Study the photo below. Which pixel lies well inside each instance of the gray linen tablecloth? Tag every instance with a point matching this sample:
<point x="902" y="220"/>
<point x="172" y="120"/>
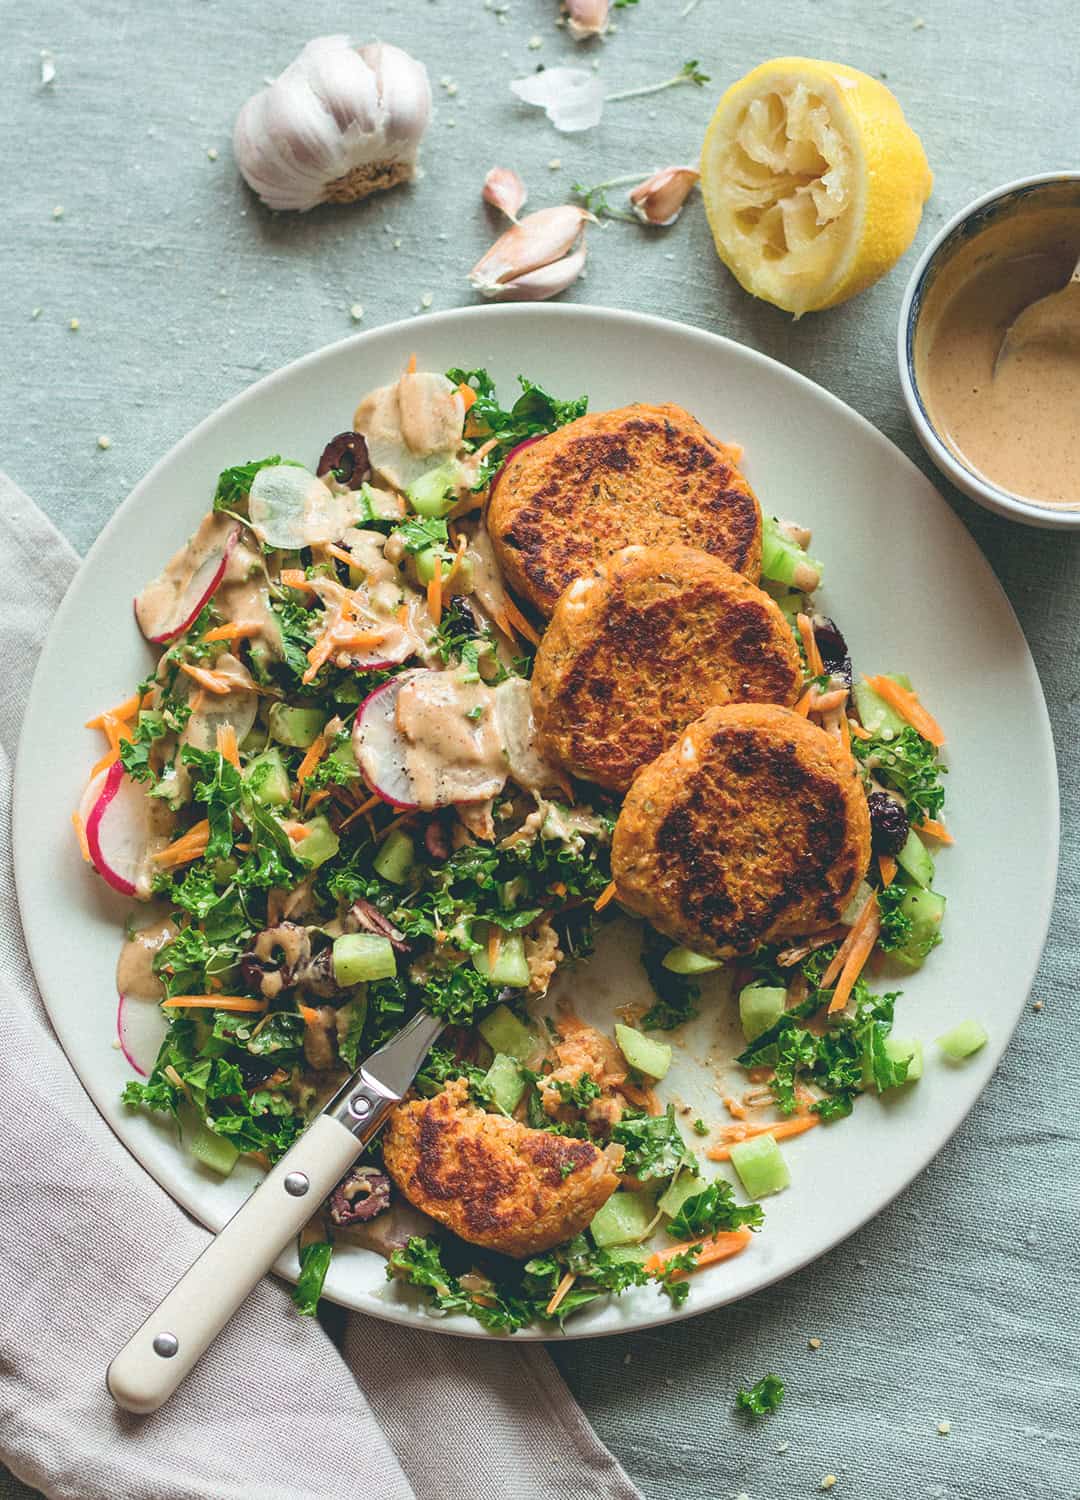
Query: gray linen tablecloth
<point x="959" y="1303"/>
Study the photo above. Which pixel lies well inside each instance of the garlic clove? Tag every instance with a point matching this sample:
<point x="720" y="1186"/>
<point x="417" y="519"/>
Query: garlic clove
<point x="572" y="98"/>
<point x="659" y="199"/>
<point x="545" y="281"/>
<point x="504" y="190"/>
<point x="587" y="18"/>
<point x="339" y="123"/>
<point x="540" y="239"/>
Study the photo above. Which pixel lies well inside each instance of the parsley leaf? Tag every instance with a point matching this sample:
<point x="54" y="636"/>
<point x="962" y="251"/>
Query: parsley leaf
<point x="534" y="413"/>
<point x="135" y="752"/>
<point x="234" y="485"/>
<point x="762" y="1398"/>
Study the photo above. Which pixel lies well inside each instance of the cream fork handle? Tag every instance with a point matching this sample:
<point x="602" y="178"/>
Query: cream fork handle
<point x="174" y="1337"/>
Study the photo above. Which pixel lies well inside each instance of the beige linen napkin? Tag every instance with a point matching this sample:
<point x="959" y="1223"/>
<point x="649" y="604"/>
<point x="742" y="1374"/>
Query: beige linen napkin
<point x="90" y="1244"/>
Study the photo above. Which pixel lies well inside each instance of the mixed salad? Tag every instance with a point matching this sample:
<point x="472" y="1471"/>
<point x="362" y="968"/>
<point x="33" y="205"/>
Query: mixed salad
<point x="327" y="790"/>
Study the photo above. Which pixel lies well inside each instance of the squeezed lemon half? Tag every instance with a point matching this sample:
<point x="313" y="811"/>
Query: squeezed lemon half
<point x="813" y="181"/>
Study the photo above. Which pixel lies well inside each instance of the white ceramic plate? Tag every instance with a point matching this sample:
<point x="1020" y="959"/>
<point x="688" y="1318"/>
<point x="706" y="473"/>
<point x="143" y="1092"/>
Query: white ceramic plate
<point x="904" y="580"/>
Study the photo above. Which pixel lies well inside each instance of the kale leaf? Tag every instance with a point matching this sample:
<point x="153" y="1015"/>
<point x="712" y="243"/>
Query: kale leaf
<point x="762" y="1398"/>
<point x="711" y="1210"/>
<point x="314" y="1263"/>
<point x="676" y="995"/>
<point x="534" y="413"/>
<point x="653" y="1145"/>
<point x="909" y="765"/>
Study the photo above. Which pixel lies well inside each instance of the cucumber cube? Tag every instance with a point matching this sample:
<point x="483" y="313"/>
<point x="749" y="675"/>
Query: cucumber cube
<point x="761" y="1166"/>
<point x="624" y="1219"/>
<point x="321" y="844"/>
<point x="963" y="1040"/>
<point x="875" y="713"/>
<point x="915" y="858"/>
<point x="504" y="1033"/>
<point x="510" y="968"/>
<point x="214" y="1151"/>
<point x="686" y="1185"/>
<point x="686" y="961"/>
<point x="926" y="910"/>
<point x="628" y="1252"/>
<point x="760" y="1006"/>
<point x="268" y="779"/>
<point x="360" y="957"/>
<point x="395" y="859"/>
<point x="298" y="727"/>
<point x="909" y="1050"/>
<point x="641" y="1052"/>
<point x="504" y="1080"/>
<point x="435" y="493"/>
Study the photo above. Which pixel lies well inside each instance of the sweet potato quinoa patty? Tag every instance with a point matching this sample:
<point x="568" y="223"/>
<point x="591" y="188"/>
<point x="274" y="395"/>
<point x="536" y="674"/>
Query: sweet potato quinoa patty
<point x="752" y="828"/>
<point x="641" y="474"/>
<point x="491" y="1180"/>
<point x="645" y="645"/>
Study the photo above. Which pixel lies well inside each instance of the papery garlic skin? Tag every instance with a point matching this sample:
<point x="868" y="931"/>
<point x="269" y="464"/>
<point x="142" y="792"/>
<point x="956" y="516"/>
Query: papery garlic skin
<point x="339" y="123"/>
<point x="659" y="199"/>
<point x="587" y="18"/>
<point x="538" y="258"/>
<point x="572" y="98"/>
<point x="504" y="190"/>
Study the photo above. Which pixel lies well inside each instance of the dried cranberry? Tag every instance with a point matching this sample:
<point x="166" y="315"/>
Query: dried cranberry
<point x="888" y="823"/>
<point x="361" y="1195"/>
<point x="346" y="457"/>
<point x="834" y="652"/>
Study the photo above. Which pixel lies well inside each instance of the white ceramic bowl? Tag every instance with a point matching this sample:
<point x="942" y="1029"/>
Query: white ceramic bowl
<point x="1013" y="197"/>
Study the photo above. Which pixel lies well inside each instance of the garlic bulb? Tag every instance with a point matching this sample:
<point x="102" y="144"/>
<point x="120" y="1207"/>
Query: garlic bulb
<point x="659" y="199"/>
<point x="340" y="122"/>
<point x="538" y="258"/>
<point x="504" y="190"/>
<point x="586" y="18"/>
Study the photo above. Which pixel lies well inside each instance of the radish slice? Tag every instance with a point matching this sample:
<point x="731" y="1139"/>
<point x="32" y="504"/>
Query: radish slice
<point x="140" y="1029"/>
<point x="517" y="448"/>
<point x="290" y="507"/>
<point x="379" y="748"/>
<point x="118" y="829"/>
<point x="423" y="749"/>
<point x="171" y="604"/>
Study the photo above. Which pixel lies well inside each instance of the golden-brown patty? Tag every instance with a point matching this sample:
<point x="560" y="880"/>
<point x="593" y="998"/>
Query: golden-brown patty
<point x="646" y="644"/>
<point x="492" y="1180"/>
<point x="752" y="828"/>
<point x="641" y="474"/>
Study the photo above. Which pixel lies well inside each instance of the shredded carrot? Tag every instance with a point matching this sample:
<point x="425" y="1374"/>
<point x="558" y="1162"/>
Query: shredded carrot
<point x="308" y="1012"/>
<point x="126" y="710"/>
<point x="887" y="866"/>
<point x="103" y="764"/>
<point x="410" y="368"/>
<point x="571" y="1276"/>
<point x="318" y="654"/>
<point x="714" y="1247"/>
<point x="405" y="817"/>
<point x="365" y="807"/>
<point x="907" y="705"/>
<point x="116" y="732"/>
<point x="80" y="834"/>
<point x="216" y="1002"/>
<point x="606" y="895"/>
<point x="558" y="889"/>
<point x="228" y="749"/>
<point x="858" y="731"/>
<point x="313" y="755"/>
<point x="460" y="544"/>
<point x="298" y="832"/>
<point x="238" y="630"/>
<point x="187" y="847"/>
<point x="845" y="732"/>
<point x="295" y="578"/>
<point x="519" y="622"/>
<point x="779" y="1129"/>
<point x="467" y="394"/>
<point x="213" y="682"/>
<point x="860" y="951"/>
<point x="317" y="797"/>
<point x="813" y="655"/>
<point x="736" y="1110"/>
<point x="805" y="703"/>
<point x="434" y="592"/>
<point x="341" y="555"/>
<point x="840" y="956"/>
<point x="494" y="943"/>
<point x="935" y="829"/>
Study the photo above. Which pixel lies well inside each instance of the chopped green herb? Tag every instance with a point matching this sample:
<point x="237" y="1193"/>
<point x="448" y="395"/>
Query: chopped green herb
<point x="762" y="1398"/>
